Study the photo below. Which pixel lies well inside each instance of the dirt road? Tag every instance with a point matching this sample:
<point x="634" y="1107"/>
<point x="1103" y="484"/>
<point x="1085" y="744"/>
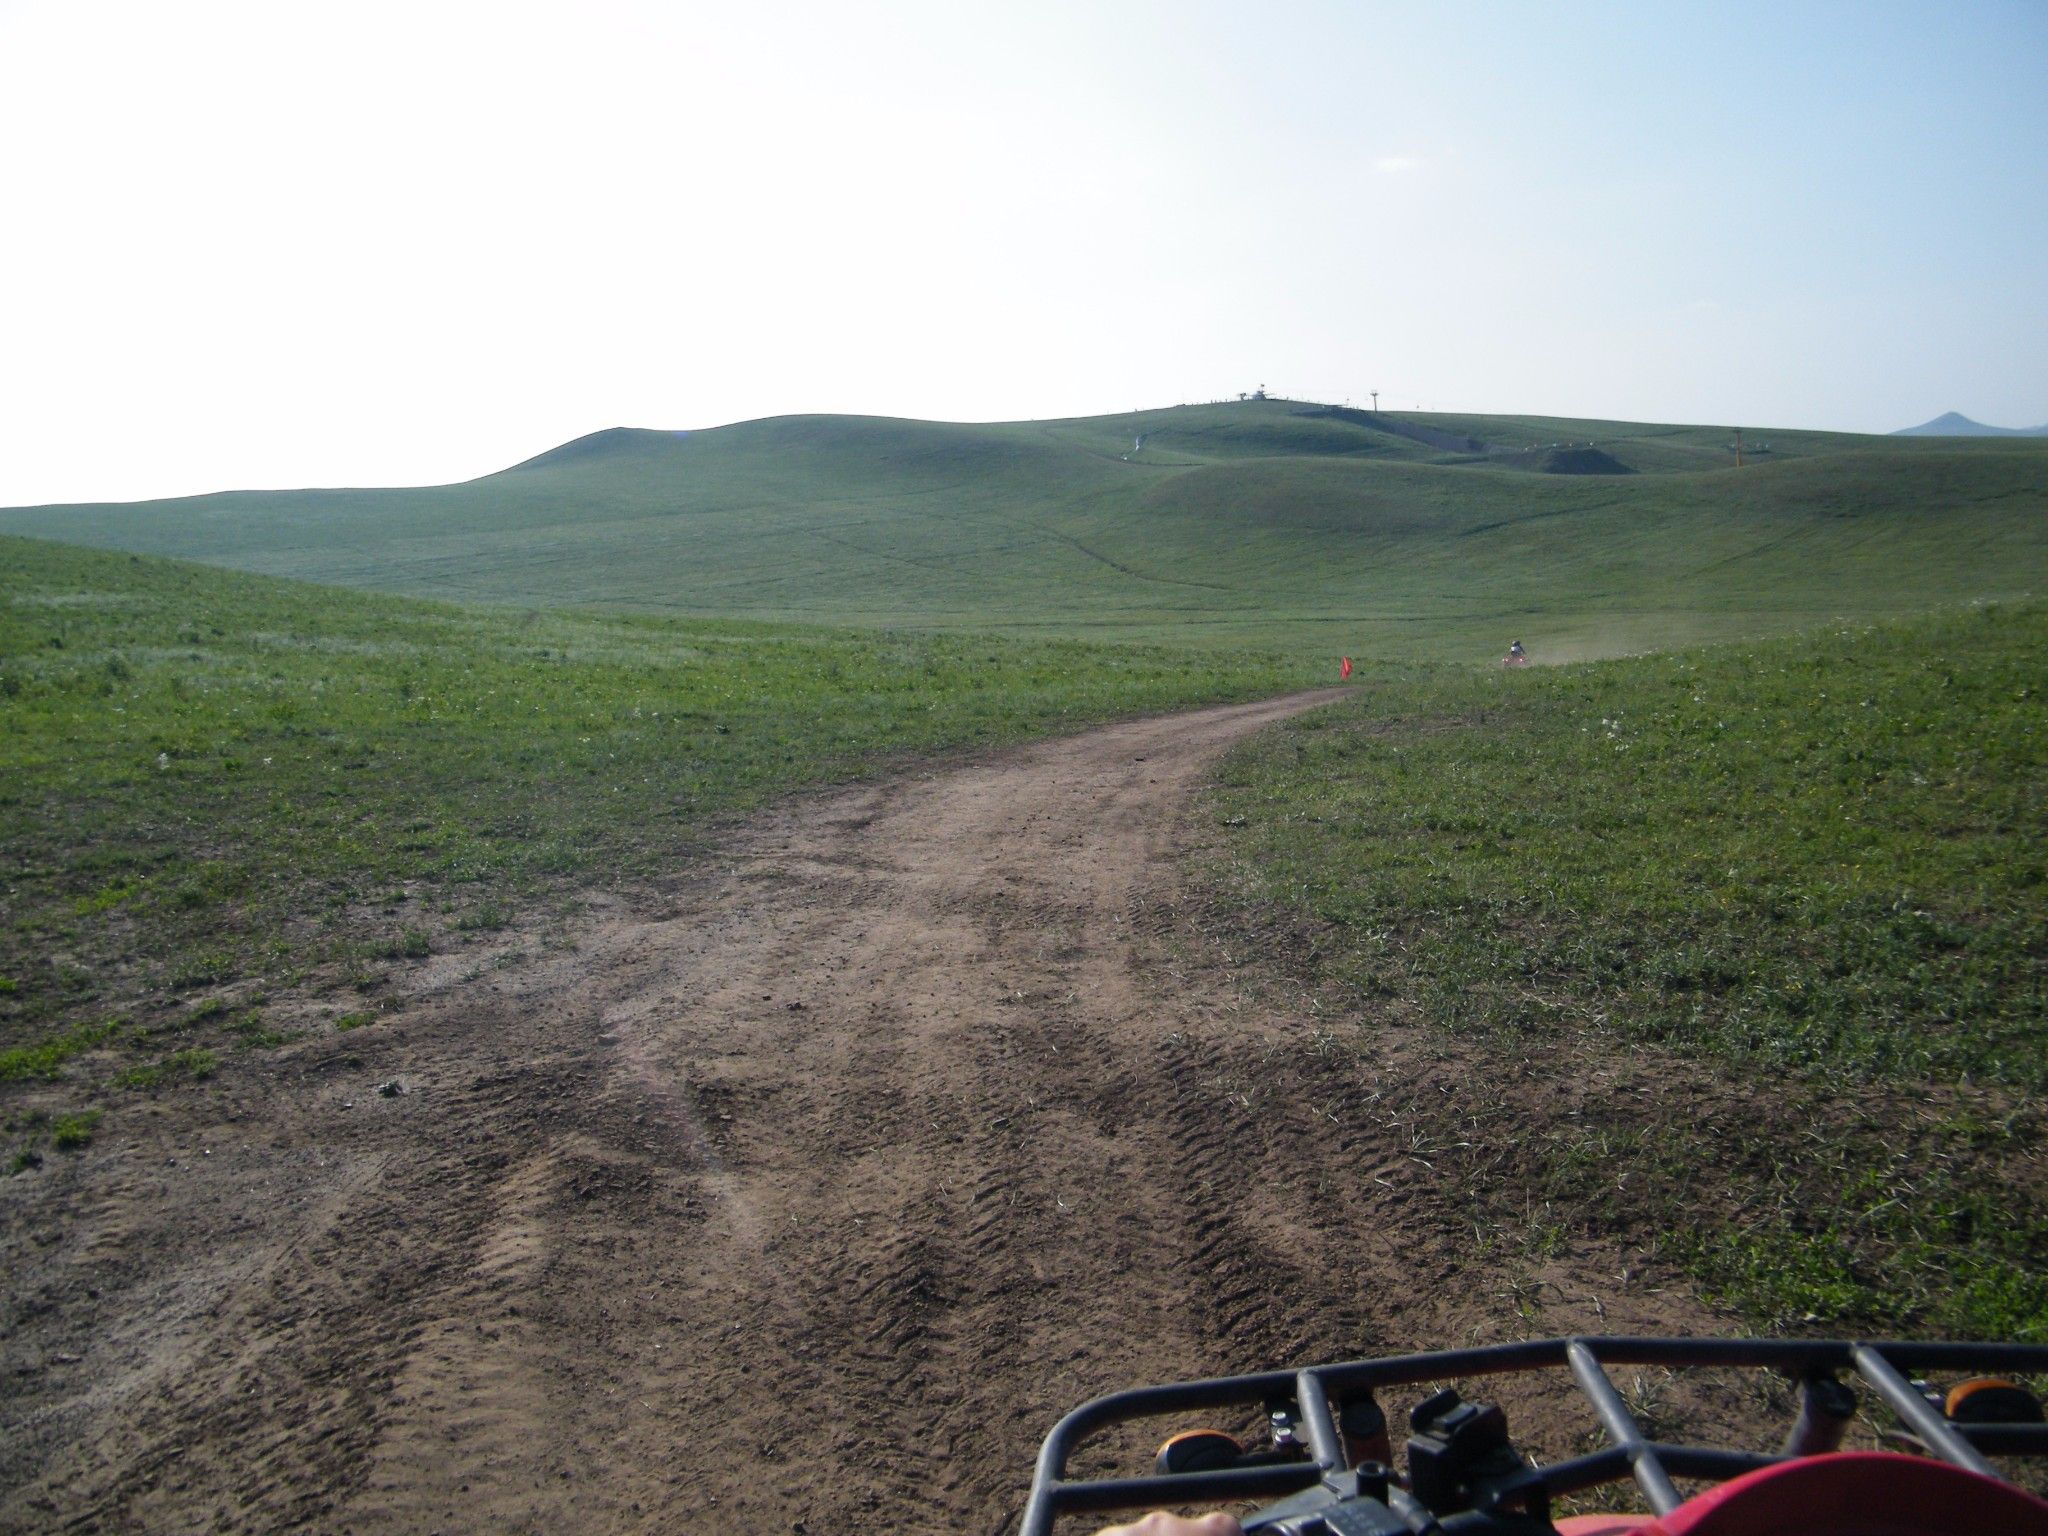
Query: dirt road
<point x="802" y="1203"/>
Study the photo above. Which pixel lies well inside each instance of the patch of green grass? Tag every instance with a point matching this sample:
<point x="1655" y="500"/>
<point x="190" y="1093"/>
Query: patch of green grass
<point x="1815" y="869"/>
<point x="355" y="1019"/>
<point x="106" y="898"/>
<point x="252" y="1033"/>
<point x="405" y="944"/>
<point x="1793" y="1276"/>
<point x="195" y="1063"/>
<point x="202" y="968"/>
<point x="73" y="1131"/>
<point x="1828" y="853"/>
<point x="45" y="1058"/>
<point x="1802" y="1204"/>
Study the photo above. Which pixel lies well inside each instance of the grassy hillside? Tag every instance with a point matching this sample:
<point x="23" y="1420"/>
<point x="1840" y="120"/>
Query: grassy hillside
<point x="1808" y="875"/>
<point x="208" y="778"/>
<point x="1647" y="447"/>
<point x="1263" y="522"/>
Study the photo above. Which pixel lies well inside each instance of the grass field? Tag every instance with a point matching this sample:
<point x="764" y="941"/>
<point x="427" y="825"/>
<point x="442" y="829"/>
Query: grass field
<point x="210" y="777"/>
<point x="1805" y="865"/>
<point x="1811" y="872"/>
<point x="1266" y="523"/>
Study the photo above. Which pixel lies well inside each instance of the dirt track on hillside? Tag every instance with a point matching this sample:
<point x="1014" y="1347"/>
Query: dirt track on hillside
<point x="801" y="1196"/>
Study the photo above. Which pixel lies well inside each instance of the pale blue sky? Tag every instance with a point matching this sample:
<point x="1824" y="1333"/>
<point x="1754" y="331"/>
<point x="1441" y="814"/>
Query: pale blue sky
<point x="279" y="244"/>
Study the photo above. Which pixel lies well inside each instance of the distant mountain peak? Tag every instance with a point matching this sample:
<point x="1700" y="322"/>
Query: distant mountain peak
<point x="1956" y="424"/>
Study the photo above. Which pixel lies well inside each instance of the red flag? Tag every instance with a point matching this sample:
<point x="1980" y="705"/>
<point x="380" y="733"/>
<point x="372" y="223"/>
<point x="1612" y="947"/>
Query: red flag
<point x="1345" y="670"/>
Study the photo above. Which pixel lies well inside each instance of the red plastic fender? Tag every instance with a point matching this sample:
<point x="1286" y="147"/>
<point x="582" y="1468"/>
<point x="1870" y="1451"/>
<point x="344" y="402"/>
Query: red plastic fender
<point x="1851" y="1493"/>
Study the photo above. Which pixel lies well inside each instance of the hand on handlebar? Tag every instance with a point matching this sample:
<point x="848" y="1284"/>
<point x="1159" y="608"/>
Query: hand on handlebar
<point x="1155" y="1524"/>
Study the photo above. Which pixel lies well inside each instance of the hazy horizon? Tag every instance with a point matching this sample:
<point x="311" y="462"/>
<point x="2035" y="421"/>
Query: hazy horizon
<point x="388" y="244"/>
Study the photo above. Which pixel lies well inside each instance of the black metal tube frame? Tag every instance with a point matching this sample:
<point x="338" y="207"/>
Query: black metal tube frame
<point x="1883" y="1365"/>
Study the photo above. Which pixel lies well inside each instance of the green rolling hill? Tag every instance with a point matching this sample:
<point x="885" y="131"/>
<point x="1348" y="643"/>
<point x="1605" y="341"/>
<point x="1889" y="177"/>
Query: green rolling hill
<point x="1262" y="522"/>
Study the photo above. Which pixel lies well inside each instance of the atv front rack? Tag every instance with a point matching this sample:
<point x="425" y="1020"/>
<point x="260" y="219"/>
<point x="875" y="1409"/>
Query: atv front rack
<point x="1318" y="1393"/>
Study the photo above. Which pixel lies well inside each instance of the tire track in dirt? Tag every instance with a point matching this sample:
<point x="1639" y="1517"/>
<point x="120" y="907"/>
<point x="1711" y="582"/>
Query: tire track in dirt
<point x="801" y="1199"/>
